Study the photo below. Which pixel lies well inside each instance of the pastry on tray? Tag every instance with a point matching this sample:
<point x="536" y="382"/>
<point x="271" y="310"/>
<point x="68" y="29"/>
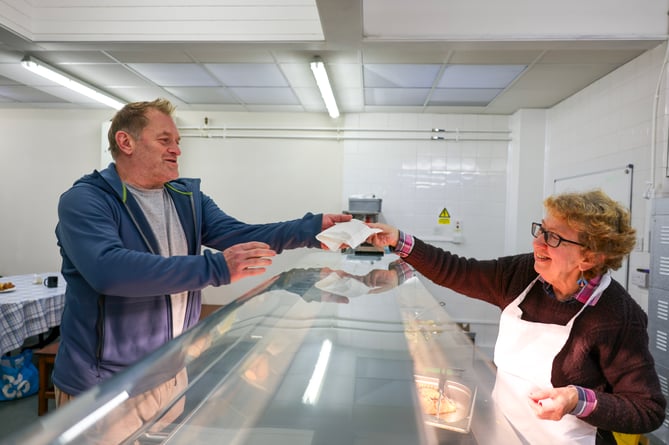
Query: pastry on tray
<point x="434" y="402"/>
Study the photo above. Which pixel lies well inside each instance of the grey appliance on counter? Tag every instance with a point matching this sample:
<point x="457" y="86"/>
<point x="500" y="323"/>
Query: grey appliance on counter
<point x="366" y="209"/>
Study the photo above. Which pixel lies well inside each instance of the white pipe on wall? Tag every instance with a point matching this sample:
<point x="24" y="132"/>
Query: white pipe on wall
<point x="324" y="133"/>
<point x="653" y="125"/>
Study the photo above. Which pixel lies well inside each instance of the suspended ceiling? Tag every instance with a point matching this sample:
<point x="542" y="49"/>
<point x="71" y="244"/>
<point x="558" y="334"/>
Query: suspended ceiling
<point x="381" y="55"/>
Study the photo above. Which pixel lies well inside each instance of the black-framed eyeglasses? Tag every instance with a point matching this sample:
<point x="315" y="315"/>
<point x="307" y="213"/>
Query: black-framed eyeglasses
<point x="552" y="239"/>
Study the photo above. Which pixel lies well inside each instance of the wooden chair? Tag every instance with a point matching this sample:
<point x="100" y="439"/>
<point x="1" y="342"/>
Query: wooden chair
<point x="45" y="358"/>
<point x="208" y="309"/>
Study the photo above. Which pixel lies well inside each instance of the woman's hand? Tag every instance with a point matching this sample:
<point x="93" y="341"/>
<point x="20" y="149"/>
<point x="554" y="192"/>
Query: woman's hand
<point x="380" y="280"/>
<point x="388" y="237"/>
<point x="553" y="403"/>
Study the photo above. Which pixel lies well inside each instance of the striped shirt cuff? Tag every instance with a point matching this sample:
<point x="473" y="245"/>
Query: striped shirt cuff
<point x="404" y="271"/>
<point x="404" y="244"/>
<point x="587" y="401"/>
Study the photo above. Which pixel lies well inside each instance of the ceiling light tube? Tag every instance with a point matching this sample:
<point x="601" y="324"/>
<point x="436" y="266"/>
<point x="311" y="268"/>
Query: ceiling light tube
<point x="313" y="391"/>
<point x="318" y="68"/>
<point x="54" y="75"/>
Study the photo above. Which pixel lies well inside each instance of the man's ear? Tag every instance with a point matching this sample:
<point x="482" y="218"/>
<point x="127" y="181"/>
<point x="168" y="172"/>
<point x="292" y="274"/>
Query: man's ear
<point x="125" y="142"/>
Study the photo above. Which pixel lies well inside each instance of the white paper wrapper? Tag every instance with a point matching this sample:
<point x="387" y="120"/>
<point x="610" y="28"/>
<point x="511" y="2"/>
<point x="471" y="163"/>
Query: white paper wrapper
<point x="352" y="233"/>
<point x="345" y="286"/>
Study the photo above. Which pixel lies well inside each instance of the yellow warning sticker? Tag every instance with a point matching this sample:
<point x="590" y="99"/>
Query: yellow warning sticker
<point x="444" y="217"/>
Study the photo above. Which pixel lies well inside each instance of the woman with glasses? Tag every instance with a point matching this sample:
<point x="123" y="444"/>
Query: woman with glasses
<point x="572" y="356"/>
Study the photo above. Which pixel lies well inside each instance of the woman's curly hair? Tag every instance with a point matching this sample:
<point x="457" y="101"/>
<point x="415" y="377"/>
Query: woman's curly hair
<point x="603" y="226"/>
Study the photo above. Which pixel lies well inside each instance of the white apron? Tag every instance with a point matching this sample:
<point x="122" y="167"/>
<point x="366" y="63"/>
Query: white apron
<point x="524" y="354"/>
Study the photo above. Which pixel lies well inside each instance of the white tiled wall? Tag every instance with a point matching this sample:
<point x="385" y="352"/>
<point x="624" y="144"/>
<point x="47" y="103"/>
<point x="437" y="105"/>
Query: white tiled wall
<point x="609" y="125"/>
<point x="417" y="179"/>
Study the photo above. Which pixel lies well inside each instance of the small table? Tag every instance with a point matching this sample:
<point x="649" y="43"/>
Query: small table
<point x="29" y="310"/>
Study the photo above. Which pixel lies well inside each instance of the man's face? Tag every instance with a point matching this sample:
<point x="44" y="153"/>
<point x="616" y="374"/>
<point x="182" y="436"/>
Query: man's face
<point x="156" y="151"/>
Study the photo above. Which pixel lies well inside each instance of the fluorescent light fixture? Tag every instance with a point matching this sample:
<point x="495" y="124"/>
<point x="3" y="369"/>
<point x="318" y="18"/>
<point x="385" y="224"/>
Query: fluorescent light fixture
<point x="54" y="75"/>
<point x="318" y="68"/>
<point x="313" y="391"/>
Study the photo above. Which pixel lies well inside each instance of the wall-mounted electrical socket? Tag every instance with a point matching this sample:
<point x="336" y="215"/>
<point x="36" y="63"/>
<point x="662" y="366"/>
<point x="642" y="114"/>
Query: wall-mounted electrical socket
<point x="640" y="278"/>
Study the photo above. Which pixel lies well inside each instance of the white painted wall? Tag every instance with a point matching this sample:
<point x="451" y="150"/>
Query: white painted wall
<point x="42" y="153"/>
<point x="261" y="180"/>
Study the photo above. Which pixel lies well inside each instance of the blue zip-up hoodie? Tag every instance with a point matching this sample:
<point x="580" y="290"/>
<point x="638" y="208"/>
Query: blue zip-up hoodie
<point x="117" y="304"/>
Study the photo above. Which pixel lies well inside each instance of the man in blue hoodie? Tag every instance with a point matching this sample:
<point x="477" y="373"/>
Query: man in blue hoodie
<point x="130" y="238"/>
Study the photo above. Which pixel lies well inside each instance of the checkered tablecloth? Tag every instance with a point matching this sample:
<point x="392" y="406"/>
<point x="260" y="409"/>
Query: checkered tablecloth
<point x="30" y="309"/>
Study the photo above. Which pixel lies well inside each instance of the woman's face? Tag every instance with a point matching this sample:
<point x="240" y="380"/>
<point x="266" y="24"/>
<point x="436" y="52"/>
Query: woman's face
<point x="560" y="266"/>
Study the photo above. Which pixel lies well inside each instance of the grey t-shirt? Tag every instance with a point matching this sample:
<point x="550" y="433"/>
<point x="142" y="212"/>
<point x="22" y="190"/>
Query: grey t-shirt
<point x="159" y="210"/>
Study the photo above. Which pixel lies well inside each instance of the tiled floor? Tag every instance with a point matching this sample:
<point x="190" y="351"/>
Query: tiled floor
<point x="18" y="414"/>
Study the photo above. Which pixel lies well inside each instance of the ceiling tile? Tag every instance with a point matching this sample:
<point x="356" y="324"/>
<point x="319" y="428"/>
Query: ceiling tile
<point x="7" y="81"/>
<point x="151" y="53"/>
<point x="345" y="75"/>
<point x="56" y="58"/>
<point x="479" y="76"/>
<point x="396" y="96"/>
<point x="274" y="108"/>
<point x="247" y="74"/>
<point x="299" y="75"/>
<point x="399" y="75"/>
<point x="69" y="96"/>
<point x="265" y="96"/>
<point x="176" y="74"/>
<point x="203" y="95"/>
<point x="310" y="98"/>
<point x="136" y="94"/>
<point x="463" y="97"/>
<point x="27" y="94"/>
<point x="350" y="99"/>
<point x="106" y="75"/>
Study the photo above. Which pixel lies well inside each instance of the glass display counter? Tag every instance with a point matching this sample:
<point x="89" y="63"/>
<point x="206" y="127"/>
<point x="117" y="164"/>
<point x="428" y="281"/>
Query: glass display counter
<point x="337" y="350"/>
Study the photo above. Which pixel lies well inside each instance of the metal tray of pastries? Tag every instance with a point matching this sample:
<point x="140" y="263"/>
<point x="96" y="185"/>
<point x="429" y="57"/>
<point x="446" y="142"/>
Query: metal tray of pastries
<point x="446" y="403"/>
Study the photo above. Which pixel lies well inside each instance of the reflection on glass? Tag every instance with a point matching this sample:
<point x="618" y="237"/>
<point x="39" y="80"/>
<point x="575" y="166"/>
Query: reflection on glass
<point x="282" y="359"/>
<point x="315" y="385"/>
<point x="324" y="284"/>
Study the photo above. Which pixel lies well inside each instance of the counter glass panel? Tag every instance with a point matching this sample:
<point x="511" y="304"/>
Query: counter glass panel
<point x="339" y="349"/>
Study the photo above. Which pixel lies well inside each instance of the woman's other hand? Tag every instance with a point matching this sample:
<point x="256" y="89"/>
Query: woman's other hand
<point x="553" y="403"/>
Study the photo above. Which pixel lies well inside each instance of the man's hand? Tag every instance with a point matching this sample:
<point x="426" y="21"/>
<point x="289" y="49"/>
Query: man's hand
<point x="329" y="219"/>
<point x="247" y="259"/>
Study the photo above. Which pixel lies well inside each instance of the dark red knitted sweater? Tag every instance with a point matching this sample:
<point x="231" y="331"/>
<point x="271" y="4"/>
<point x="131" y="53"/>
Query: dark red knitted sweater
<point x="607" y="350"/>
